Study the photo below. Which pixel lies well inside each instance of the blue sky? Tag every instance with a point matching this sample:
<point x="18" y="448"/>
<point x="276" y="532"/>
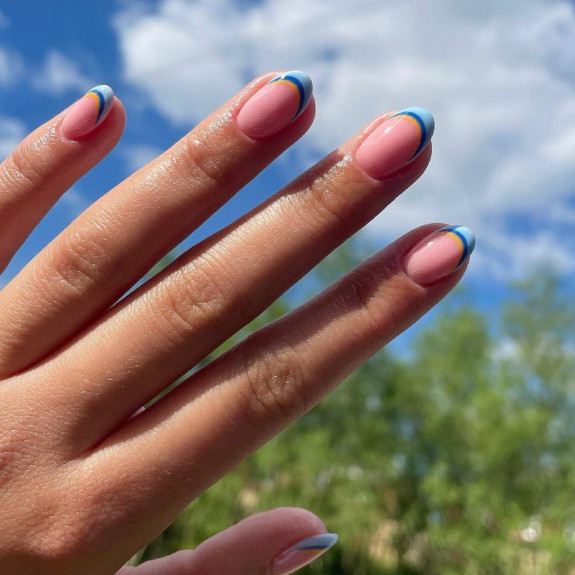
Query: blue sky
<point x="498" y="77"/>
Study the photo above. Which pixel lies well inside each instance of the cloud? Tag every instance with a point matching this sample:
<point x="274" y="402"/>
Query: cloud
<point x="497" y="75"/>
<point x="73" y="202"/>
<point x="12" y="132"/>
<point x="11" y="65"/>
<point x="139" y="155"/>
<point x="59" y="73"/>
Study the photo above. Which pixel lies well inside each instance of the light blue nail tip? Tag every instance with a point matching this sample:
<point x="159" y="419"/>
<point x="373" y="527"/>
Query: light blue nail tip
<point x="317" y="542"/>
<point x="469" y="236"/>
<point x="303" y="84"/>
<point x="425" y="116"/>
<point x="105" y="90"/>
<point x="425" y="121"/>
<point x="465" y="237"/>
<point x="105" y="96"/>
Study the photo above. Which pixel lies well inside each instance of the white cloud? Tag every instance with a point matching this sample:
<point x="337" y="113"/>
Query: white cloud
<point x="73" y="202"/>
<point x="137" y="156"/>
<point x="59" y="73"/>
<point x="11" y="65"/>
<point x="497" y="75"/>
<point x="12" y="132"/>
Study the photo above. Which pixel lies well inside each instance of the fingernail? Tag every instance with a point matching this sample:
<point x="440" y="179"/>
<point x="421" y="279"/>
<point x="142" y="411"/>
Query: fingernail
<point x="275" y="105"/>
<point x="439" y="254"/>
<point x="302" y="553"/>
<point x="87" y="112"/>
<point x="395" y="142"/>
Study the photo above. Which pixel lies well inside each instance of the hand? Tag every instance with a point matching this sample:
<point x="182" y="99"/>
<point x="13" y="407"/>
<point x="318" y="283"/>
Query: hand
<point x="87" y="476"/>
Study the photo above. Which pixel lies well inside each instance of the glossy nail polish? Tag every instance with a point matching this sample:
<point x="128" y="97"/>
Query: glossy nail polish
<point x="395" y="142"/>
<point x="302" y="553"/>
<point x="439" y="254"/>
<point x="87" y="113"/>
<point x="275" y="105"/>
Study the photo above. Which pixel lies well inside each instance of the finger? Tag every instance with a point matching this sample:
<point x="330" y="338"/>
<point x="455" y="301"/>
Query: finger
<point x="275" y="542"/>
<point x="224" y="412"/>
<point x="112" y="245"/>
<point x="52" y="159"/>
<point x="162" y="330"/>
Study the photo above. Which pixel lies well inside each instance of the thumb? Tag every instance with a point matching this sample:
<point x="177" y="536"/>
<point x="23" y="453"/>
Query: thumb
<point x="275" y="542"/>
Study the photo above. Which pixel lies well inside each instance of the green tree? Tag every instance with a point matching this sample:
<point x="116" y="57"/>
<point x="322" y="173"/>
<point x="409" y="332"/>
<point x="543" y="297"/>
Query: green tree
<point x="455" y="459"/>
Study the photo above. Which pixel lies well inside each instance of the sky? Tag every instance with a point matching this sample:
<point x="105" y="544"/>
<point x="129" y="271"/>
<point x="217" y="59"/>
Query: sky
<point x="498" y="77"/>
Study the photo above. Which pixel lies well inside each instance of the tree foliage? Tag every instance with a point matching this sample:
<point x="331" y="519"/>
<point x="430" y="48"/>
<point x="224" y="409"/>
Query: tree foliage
<point x="457" y="459"/>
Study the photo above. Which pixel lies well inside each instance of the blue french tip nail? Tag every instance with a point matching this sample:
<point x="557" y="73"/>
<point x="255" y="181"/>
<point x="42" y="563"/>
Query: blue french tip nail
<point x="302" y="82"/>
<point x="426" y="123"/>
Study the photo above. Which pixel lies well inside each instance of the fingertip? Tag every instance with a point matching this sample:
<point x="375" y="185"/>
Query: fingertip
<point x="437" y="253"/>
<point x="99" y="115"/>
<point x="276" y="106"/>
<point x="257" y="540"/>
<point x="394" y="141"/>
<point x="289" y="520"/>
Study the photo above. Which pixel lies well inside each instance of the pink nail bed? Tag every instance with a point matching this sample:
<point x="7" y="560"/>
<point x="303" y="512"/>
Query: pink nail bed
<point x="87" y="113"/>
<point x="439" y="254"/>
<point x="395" y="142"/>
<point x="275" y="105"/>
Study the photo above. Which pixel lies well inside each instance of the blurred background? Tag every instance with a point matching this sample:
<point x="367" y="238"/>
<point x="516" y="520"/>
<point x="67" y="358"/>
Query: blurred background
<point x="453" y="450"/>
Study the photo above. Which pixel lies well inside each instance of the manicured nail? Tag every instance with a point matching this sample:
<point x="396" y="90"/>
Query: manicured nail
<point x="439" y="254"/>
<point x="87" y="113"/>
<point x="395" y="142"/>
<point x="275" y="105"/>
<point x="302" y="553"/>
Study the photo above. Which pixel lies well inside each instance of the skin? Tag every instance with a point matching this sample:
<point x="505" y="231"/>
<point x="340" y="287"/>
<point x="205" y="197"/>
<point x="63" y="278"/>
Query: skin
<point x="84" y="485"/>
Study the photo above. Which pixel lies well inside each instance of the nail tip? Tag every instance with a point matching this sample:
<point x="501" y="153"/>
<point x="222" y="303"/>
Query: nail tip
<point x="302" y="82"/>
<point x="304" y="78"/>
<point x="466" y="239"/>
<point x="468" y="235"/>
<point x="426" y="123"/>
<point x="105" y="97"/>
<point x="104" y="88"/>
<point x="324" y="541"/>
<point x="425" y="115"/>
<point x="87" y="113"/>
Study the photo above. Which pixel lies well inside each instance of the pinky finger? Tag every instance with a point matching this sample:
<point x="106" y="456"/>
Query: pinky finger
<point x="274" y="542"/>
<point x="51" y="159"/>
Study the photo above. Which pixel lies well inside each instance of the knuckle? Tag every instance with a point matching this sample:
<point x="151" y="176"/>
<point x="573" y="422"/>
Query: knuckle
<point x="65" y="519"/>
<point x="20" y="170"/>
<point x="327" y="201"/>
<point x="191" y="300"/>
<point x="380" y="303"/>
<point x="61" y="537"/>
<point x="22" y="439"/>
<point x="274" y="389"/>
<point x="40" y="518"/>
<point x="203" y="164"/>
<point x="81" y="261"/>
<point x="55" y="542"/>
<point x="15" y="454"/>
